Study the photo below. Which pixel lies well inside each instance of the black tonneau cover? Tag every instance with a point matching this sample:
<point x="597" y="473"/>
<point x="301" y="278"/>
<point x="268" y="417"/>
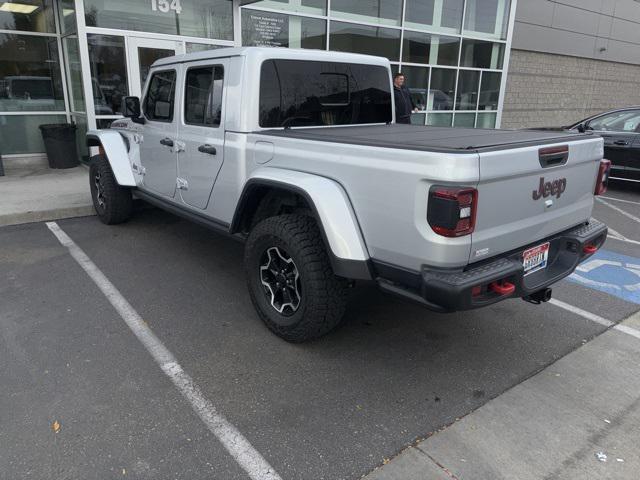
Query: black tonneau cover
<point x="424" y="138"/>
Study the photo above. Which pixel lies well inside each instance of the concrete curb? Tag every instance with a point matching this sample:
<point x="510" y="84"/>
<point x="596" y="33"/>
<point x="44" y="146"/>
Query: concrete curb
<point x="46" y="215"/>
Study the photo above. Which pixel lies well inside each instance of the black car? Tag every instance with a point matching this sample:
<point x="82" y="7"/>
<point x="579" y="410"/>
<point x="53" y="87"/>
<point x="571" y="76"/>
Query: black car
<point x="621" y="132"/>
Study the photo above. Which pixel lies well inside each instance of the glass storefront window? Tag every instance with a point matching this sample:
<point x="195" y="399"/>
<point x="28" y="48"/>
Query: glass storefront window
<point x="282" y="30"/>
<point x="487" y="17"/>
<point x="482" y="54"/>
<point x="317" y="7"/>
<point x="467" y="96"/>
<point x="465" y="120"/>
<point x="30" y="78"/>
<point x="432" y="49"/>
<point x="439" y="119"/>
<point x="434" y="15"/>
<point x="19" y="134"/>
<point x="108" y="72"/>
<point x="194" y="18"/>
<point x="349" y="37"/>
<point x="74" y="70"/>
<point x="417" y="81"/>
<point x="28" y="16"/>
<point x="200" y="47"/>
<point x="442" y="90"/>
<point x="384" y="12"/>
<point x="486" y="120"/>
<point x="81" y="136"/>
<point x="67" y="13"/>
<point x="418" y="118"/>
<point x="489" y="91"/>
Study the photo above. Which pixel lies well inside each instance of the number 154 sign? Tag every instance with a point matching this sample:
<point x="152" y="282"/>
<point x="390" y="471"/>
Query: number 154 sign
<point x="165" y="6"/>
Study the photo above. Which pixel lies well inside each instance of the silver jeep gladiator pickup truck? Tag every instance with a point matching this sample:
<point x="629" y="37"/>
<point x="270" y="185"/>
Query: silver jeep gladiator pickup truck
<point x="296" y="153"/>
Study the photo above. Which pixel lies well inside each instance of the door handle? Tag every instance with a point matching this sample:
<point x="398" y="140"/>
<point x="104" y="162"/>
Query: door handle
<point x="206" y="148"/>
<point x="621" y="142"/>
<point x="167" y="142"/>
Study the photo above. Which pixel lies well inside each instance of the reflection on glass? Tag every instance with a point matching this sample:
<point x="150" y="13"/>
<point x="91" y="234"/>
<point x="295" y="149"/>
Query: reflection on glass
<point x="201" y="47"/>
<point x="489" y="91"/>
<point x="347" y="37"/>
<point x="296" y="93"/>
<point x="443" y="88"/>
<point x="467" y="97"/>
<point x="434" y="15"/>
<point x="81" y="134"/>
<point x="67" y="12"/>
<point x="318" y="7"/>
<point x="74" y="69"/>
<point x="486" y="120"/>
<point x="432" y="49"/>
<point x="489" y="17"/>
<point x="417" y="81"/>
<point x="282" y="30"/>
<point x="467" y="120"/>
<point x="385" y="12"/>
<point x="418" y="118"/>
<point x="108" y="72"/>
<point x="146" y="57"/>
<point x="196" y="18"/>
<point x="20" y="134"/>
<point x="30" y="74"/>
<point x="481" y="54"/>
<point x="440" y="119"/>
<point x="27" y="15"/>
<point x="104" y="123"/>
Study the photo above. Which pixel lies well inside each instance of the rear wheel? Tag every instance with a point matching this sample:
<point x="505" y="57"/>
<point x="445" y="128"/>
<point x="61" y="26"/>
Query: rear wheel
<point x="290" y="278"/>
<point x="112" y="203"/>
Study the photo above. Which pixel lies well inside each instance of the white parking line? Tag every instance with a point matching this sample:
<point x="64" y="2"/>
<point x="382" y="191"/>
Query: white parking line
<point x="595" y="318"/>
<point x="615" y="235"/>
<point x="621" y="200"/>
<point x="233" y="441"/>
<point x="619" y="210"/>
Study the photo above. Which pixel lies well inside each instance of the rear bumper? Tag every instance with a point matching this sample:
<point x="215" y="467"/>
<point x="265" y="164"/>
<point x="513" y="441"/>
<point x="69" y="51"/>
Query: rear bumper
<point x="453" y="290"/>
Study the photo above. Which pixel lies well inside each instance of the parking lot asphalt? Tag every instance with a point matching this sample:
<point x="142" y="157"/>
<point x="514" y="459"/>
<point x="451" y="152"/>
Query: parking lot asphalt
<point x="332" y="409"/>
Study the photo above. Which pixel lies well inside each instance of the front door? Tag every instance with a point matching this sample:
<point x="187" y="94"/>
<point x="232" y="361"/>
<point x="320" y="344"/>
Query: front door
<point x="201" y="130"/>
<point x="142" y="53"/>
<point x="159" y="147"/>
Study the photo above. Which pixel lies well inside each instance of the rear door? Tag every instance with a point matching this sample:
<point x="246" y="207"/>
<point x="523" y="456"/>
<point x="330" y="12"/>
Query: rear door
<point x="201" y="131"/>
<point x="527" y="194"/>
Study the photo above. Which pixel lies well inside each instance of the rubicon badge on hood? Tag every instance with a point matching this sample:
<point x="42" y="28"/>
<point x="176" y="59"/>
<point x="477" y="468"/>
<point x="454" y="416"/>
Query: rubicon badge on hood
<point x="556" y="187"/>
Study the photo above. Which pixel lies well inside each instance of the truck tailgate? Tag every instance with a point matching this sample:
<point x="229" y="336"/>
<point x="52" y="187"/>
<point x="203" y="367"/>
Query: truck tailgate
<point x="520" y="201"/>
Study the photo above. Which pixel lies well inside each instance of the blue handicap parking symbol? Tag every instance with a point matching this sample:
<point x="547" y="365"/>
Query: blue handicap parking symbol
<point x="610" y="272"/>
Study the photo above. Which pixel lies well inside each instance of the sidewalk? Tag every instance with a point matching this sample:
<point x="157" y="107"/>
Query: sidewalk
<point x="35" y="194"/>
<point x="552" y="426"/>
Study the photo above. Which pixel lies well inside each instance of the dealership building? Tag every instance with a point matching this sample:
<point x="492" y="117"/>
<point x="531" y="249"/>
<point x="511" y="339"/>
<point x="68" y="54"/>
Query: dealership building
<point x="468" y="63"/>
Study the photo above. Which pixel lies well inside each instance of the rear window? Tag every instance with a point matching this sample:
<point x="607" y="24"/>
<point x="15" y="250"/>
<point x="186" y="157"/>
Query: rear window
<point x="295" y="93"/>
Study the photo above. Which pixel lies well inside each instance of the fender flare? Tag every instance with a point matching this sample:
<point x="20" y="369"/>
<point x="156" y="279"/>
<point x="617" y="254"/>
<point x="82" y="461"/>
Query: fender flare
<point x="332" y="209"/>
<point x="116" y="151"/>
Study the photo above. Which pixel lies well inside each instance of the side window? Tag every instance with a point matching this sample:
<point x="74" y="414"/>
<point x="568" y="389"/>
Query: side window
<point x="158" y="104"/>
<point x="627" y="121"/>
<point x="203" y="96"/>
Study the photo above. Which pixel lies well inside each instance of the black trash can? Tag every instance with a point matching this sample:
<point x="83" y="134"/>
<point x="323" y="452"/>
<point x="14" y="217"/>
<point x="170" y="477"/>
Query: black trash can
<point x="60" y="144"/>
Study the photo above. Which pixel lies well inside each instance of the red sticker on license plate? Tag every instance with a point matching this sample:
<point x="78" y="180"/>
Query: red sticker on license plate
<point x="535" y="258"/>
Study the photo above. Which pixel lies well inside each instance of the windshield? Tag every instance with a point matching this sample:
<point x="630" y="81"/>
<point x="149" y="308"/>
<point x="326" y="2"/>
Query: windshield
<point x="307" y="93"/>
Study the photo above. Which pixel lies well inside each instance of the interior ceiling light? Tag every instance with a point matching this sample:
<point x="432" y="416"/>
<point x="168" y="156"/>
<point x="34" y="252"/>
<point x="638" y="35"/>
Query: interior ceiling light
<point x="18" y="8"/>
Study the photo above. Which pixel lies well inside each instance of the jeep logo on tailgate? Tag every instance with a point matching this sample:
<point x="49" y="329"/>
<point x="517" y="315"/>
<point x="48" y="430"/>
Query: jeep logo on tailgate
<point x="557" y="188"/>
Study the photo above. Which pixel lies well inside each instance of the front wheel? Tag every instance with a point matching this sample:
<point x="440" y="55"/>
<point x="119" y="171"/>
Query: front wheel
<point x="113" y="204"/>
<point x="290" y="279"/>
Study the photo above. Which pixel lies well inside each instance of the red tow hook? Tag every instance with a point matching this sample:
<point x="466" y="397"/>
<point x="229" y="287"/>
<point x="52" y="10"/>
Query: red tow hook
<point x="504" y="288"/>
<point x="589" y="249"/>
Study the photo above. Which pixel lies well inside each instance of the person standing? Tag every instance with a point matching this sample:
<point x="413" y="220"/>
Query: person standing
<point x="404" y="105"/>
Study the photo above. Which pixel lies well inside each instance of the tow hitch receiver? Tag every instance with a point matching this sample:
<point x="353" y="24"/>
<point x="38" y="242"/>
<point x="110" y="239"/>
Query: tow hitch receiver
<point x="541" y="296"/>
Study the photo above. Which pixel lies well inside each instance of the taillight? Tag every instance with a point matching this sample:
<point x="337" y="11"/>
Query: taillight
<point x="602" y="181"/>
<point x="451" y="211"/>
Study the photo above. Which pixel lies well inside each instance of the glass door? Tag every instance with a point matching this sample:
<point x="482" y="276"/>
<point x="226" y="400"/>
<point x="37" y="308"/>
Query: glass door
<point x="142" y="53"/>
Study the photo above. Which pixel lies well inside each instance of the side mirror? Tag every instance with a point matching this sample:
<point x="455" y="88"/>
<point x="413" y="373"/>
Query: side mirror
<point x="581" y="128"/>
<point x="131" y="109"/>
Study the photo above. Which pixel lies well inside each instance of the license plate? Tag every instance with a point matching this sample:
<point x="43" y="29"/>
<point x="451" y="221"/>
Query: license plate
<point x="535" y="258"/>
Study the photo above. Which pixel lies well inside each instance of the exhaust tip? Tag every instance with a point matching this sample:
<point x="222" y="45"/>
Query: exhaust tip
<point x="541" y="296"/>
